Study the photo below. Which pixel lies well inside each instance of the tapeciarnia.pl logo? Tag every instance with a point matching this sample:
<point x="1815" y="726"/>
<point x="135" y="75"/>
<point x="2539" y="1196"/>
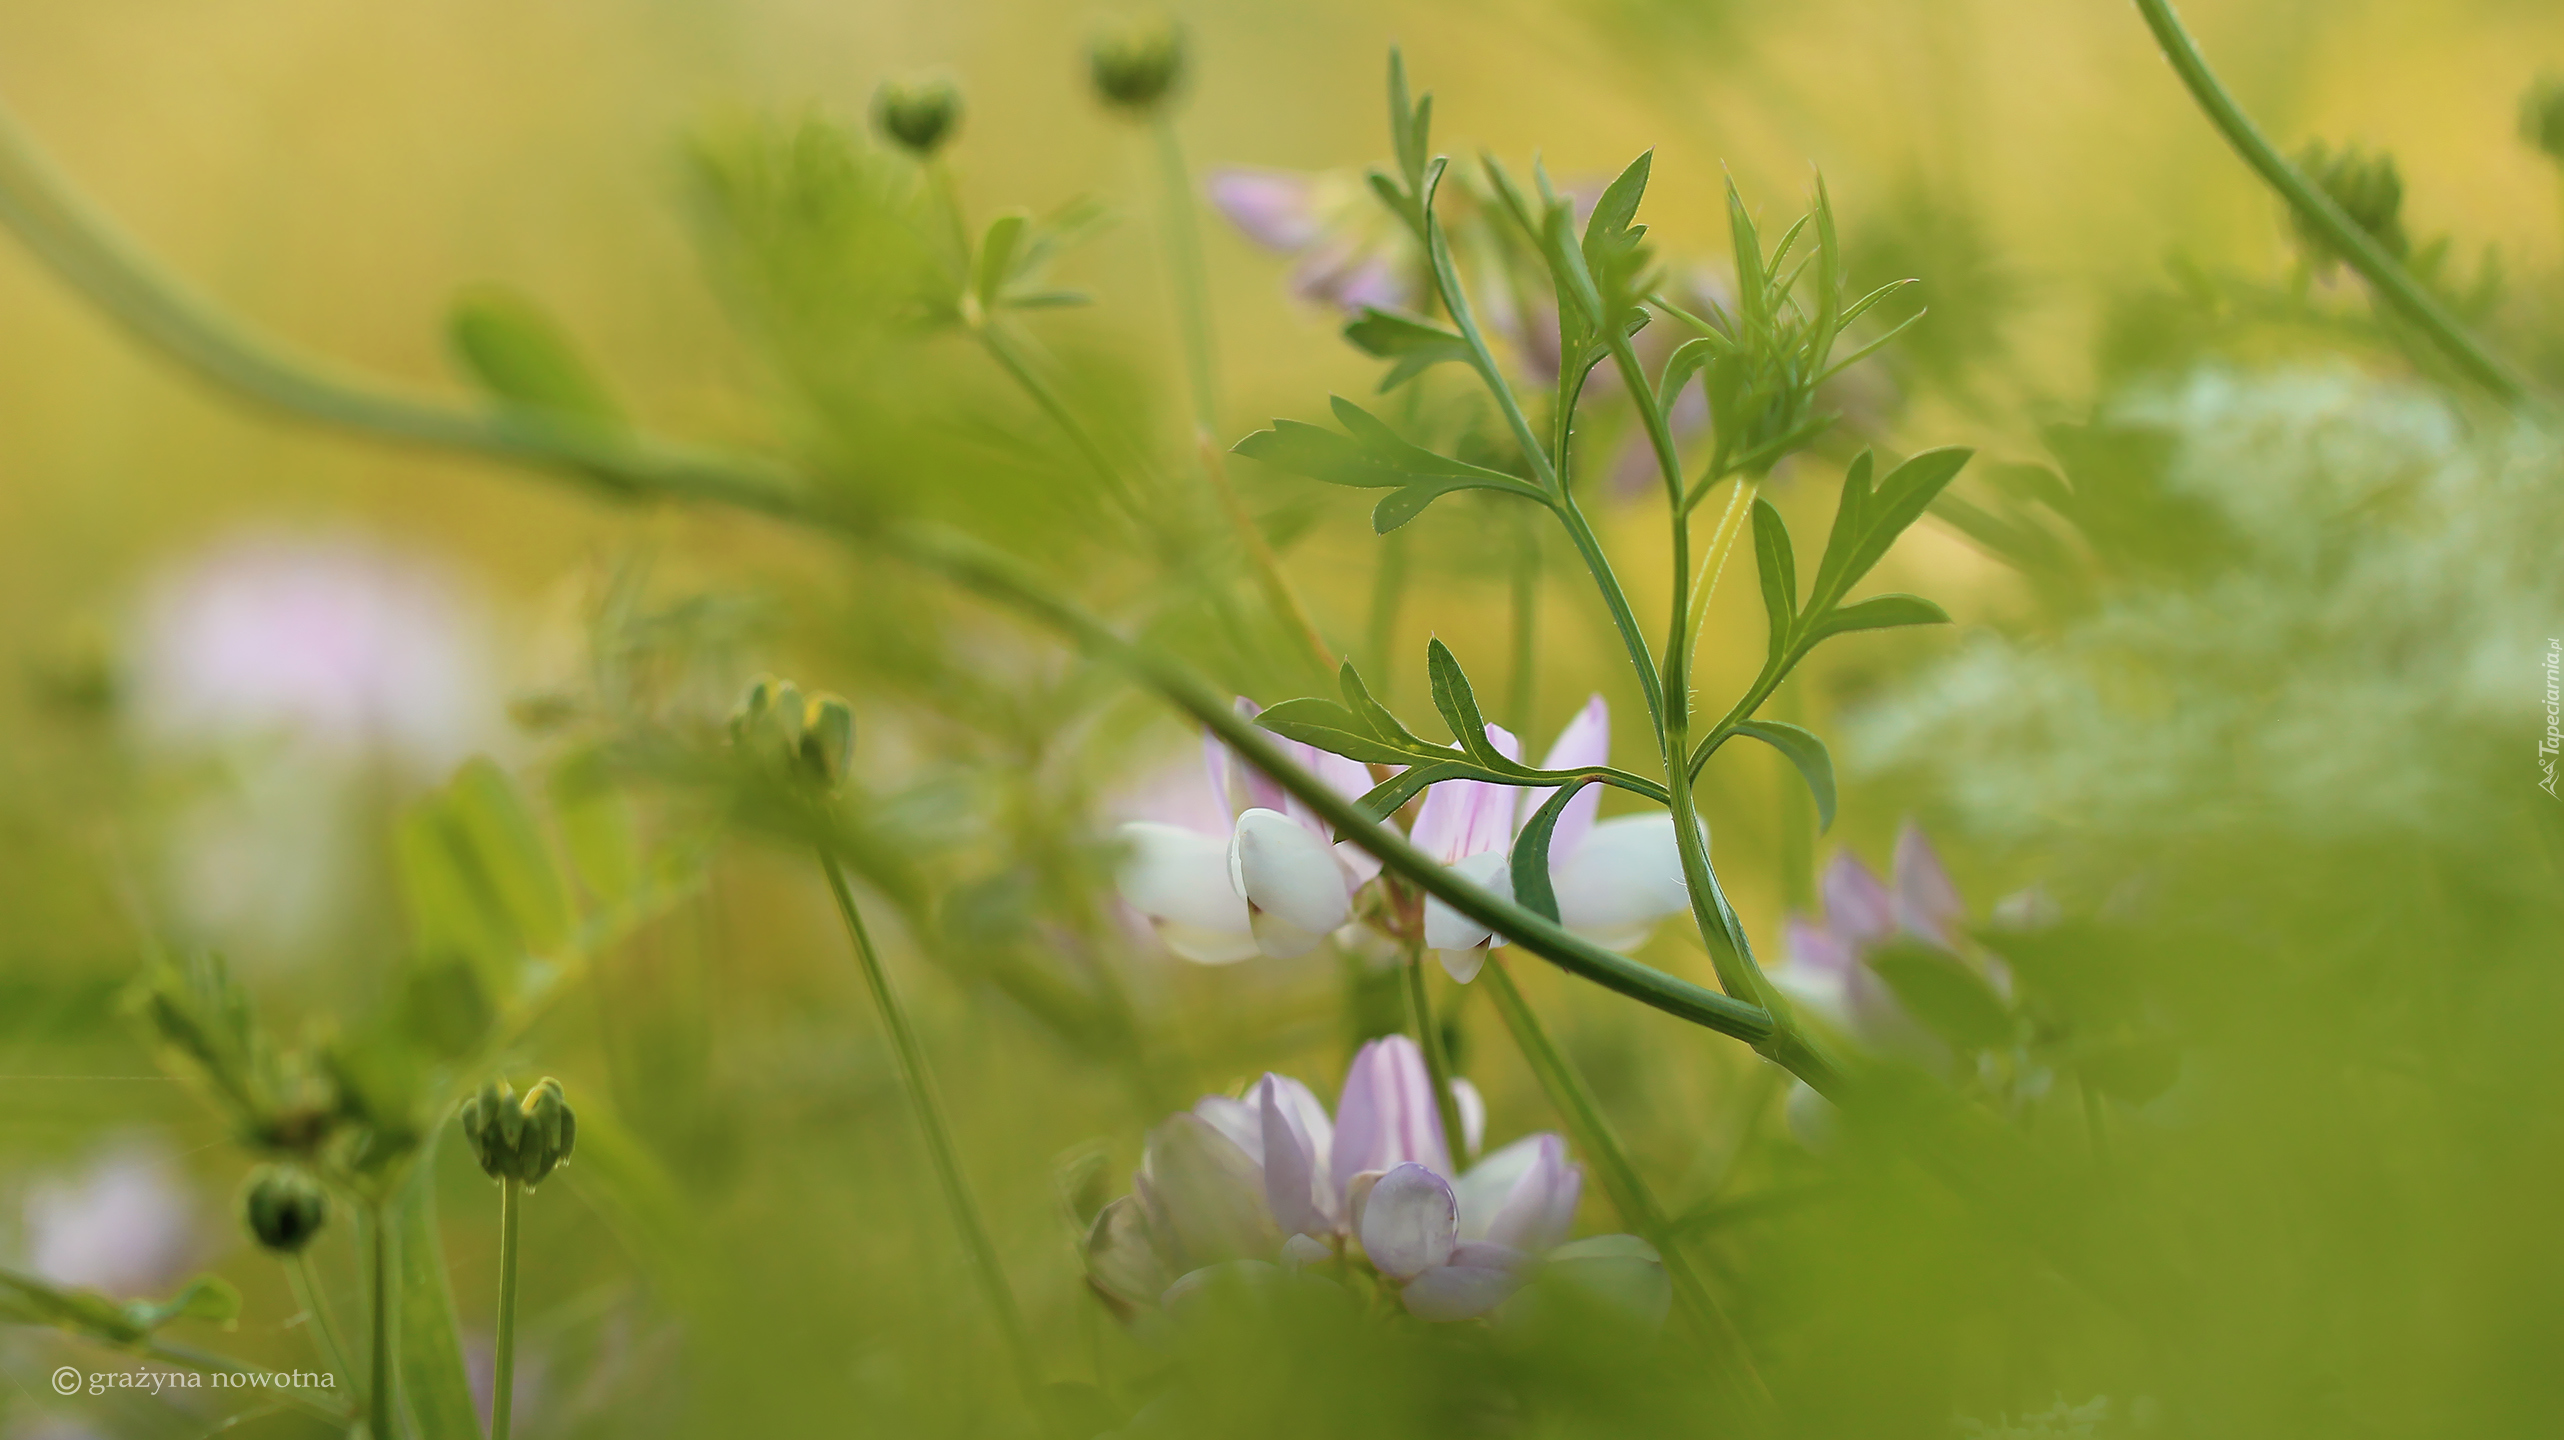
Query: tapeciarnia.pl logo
<point x="2547" y="747"/>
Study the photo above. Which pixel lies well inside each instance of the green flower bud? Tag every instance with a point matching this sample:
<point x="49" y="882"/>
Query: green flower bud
<point x="520" y="1139"/>
<point x="284" y="1207"/>
<point x="827" y="740"/>
<point x="2541" y="116"/>
<point x="918" y="116"/>
<point x="2366" y="187"/>
<point x="1137" y="64"/>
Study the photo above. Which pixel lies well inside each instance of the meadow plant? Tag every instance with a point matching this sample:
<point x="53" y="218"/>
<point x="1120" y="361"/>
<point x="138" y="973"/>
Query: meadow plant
<point x="2031" y="1148"/>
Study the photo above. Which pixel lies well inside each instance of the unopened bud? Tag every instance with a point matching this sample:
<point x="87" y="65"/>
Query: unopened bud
<point x="2541" y="116"/>
<point x="919" y="116"/>
<point x="284" y="1207"/>
<point x="827" y="740"/>
<point x="1137" y="64"/>
<point x="2366" y="187"/>
<point x="520" y="1139"/>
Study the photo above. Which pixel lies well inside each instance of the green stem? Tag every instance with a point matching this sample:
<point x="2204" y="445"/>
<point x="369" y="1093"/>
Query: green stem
<point x="1437" y="1058"/>
<point x="629" y="466"/>
<point x="307" y="1293"/>
<point x="1002" y="350"/>
<point x="2391" y="280"/>
<point x="1624" y="619"/>
<point x="503" y="1365"/>
<point x="1619" y="1174"/>
<point x="919" y="1084"/>
<point x="1521" y="691"/>
<point x="1190" y="276"/>
<point x="380" y="1395"/>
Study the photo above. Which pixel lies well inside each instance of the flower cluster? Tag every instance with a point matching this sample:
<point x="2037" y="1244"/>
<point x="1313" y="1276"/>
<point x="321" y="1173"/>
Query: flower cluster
<point x="1278" y="883"/>
<point x="1269" y="1183"/>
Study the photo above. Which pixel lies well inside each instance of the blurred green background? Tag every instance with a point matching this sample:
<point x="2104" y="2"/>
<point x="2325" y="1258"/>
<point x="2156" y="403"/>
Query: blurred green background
<point x="2266" y="732"/>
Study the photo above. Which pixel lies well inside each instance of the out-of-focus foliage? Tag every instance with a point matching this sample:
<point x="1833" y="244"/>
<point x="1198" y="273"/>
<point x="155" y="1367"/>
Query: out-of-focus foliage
<point x="2222" y="1106"/>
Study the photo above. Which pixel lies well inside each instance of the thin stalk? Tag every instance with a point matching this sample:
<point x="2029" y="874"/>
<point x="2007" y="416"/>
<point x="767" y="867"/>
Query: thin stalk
<point x="1191" y="280"/>
<point x="503" y="1364"/>
<point x="380" y="1402"/>
<point x="2392" y="282"/>
<point x="1388" y="594"/>
<point x="1190" y="276"/>
<point x="1619" y="1174"/>
<point x="1521" y="691"/>
<point x="1002" y="350"/>
<point x="918" y="1082"/>
<point x="1798" y="830"/>
<point x="307" y="1293"/>
<point x="1714" y="564"/>
<point x="1624" y="619"/>
<point x="1437" y="1058"/>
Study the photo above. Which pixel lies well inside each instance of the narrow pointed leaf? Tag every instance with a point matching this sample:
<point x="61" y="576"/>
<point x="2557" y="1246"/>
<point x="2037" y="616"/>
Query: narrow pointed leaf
<point x="433" y="1382"/>
<point x="1805" y="751"/>
<point x="1881" y="612"/>
<point x="1339" y="731"/>
<point x="1357" y="697"/>
<point x="518" y="353"/>
<point x="995" y="263"/>
<point x="1778" y="567"/>
<point x="1458" y="702"/>
<point x="1530" y="859"/>
<point x="1879" y="518"/>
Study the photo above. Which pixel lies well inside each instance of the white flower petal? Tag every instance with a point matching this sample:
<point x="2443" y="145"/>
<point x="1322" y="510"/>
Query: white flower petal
<point x="1625" y="877"/>
<point x="1280" y="938"/>
<point x="1448" y="929"/>
<point x="1473" y="1114"/>
<point x="1179" y="879"/>
<point x="1586" y="742"/>
<point x="1462" y="965"/>
<point x="1410" y="1222"/>
<point x="1541" y="1207"/>
<point x="1459" y="1291"/>
<point x="1281" y="868"/>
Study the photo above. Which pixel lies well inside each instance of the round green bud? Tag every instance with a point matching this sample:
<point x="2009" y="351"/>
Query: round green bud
<point x="283" y="1207"/>
<point x="520" y="1139"/>
<point x="1137" y="64"/>
<point x="2368" y="189"/>
<point x="811" y="739"/>
<point x="919" y="116"/>
<point x="2541" y="116"/>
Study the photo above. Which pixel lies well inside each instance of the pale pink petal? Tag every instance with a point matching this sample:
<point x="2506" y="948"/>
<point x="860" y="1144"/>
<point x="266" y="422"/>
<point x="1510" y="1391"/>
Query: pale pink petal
<point x="1298" y="1187"/>
<point x="1274" y="208"/>
<point x="1460" y="818"/>
<point x="1627" y="876"/>
<point x="1541" y="1208"/>
<point x="1927" y="903"/>
<point x="1204" y="1196"/>
<point x="1585" y="743"/>
<point x="1857" y="905"/>
<point x="1301" y="1251"/>
<point x="1484" y="1187"/>
<point x="1387" y="1115"/>
<point x="1459" y="1291"/>
<point x="1237" y="1120"/>
<point x="1410" y="1222"/>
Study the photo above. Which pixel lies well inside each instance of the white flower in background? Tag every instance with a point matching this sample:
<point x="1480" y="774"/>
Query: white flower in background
<point x="335" y="647"/>
<point x="123" y="1225"/>
<point x="1614" y="879"/>
<point x="1273" y="883"/>
<point x="1270" y="1183"/>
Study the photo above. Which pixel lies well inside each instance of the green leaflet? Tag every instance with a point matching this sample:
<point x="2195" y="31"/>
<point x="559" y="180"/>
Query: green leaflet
<point x="513" y="349"/>
<point x="1530" y="859"/>
<point x="1808" y="753"/>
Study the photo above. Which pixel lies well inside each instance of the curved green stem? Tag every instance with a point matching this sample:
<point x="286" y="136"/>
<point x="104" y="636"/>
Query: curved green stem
<point x="307" y="1293"/>
<point x="503" y="1353"/>
<point x="1191" y="277"/>
<point x="1437" y="1056"/>
<point x="2391" y="280"/>
<point x="381" y="1403"/>
<point x="928" y="1109"/>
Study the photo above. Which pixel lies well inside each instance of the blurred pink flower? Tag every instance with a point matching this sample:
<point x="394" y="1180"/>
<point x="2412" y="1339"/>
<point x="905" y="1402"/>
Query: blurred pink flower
<point x="341" y="647"/>
<point x="123" y="1225"/>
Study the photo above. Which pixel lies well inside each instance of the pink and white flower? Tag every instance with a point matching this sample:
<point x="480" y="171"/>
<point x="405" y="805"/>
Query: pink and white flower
<point x="1270" y="1182"/>
<point x="1275" y="883"/>
<point x="1614" y="879"/>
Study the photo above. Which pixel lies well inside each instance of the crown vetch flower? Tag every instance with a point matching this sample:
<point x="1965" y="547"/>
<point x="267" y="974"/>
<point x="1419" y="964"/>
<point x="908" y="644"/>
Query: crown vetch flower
<point x="1268" y="1182"/>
